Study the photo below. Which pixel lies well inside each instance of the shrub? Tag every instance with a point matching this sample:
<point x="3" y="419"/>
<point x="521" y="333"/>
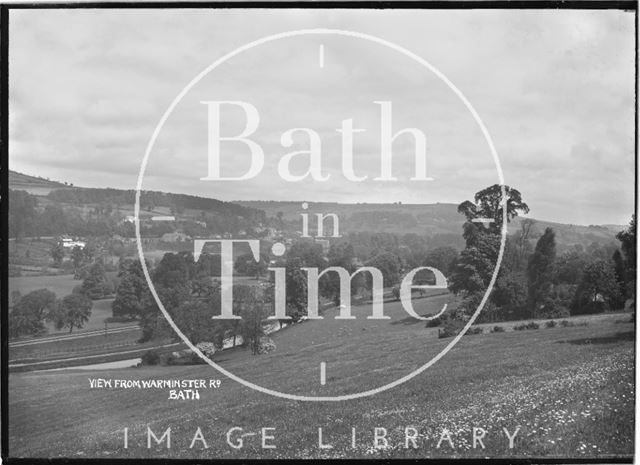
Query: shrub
<point x="433" y="323"/>
<point x="497" y="329"/>
<point x="565" y="323"/>
<point x="166" y="359"/>
<point x="523" y="326"/>
<point x="150" y="357"/>
<point x="550" y="324"/>
<point x="554" y="308"/>
<point x="473" y="331"/>
<point x="450" y="328"/>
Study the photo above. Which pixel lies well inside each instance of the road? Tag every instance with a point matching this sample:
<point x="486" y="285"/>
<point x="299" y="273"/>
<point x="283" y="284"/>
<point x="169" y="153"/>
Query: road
<point x="66" y="337"/>
<point x="89" y="357"/>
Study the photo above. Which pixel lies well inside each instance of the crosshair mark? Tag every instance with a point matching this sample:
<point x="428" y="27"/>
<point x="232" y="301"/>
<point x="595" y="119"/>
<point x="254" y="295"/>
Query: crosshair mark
<point x="323" y="373"/>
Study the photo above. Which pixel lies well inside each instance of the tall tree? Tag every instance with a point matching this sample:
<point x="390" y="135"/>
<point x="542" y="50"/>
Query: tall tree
<point x="95" y="284"/>
<point x="29" y="312"/>
<point x="22" y="213"/>
<point x="441" y="258"/>
<point x="472" y="271"/>
<point x="627" y="240"/>
<point x="598" y="290"/>
<point x="254" y="311"/>
<point x="540" y="272"/>
<point x="77" y="257"/>
<point x="57" y="253"/>
<point x="488" y="204"/>
<point x="72" y="311"/>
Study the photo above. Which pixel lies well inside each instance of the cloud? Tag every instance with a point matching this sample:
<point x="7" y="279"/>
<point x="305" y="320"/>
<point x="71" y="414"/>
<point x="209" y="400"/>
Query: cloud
<point x="554" y="88"/>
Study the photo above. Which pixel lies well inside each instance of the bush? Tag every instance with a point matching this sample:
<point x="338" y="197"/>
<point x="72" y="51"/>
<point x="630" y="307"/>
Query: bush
<point x="565" y="323"/>
<point x="530" y="325"/>
<point x="433" y="323"/>
<point x="166" y="359"/>
<point x="450" y="328"/>
<point x="554" y="308"/>
<point x="550" y="324"/>
<point x="497" y="329"/>
<point x="150" y="357"/>
<point x="473" y="331"/>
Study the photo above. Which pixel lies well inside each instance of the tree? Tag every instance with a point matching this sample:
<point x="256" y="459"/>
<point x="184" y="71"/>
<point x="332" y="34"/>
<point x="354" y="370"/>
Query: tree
<point x="29" y="312"/>
<point x="72" y="311"/>
<point x="95" y="284"/>
<point x="296" y="285"/>
<point x="309" y="253"/>
<point x="522" y="247"/>
<point x="246" y="265"/>
<point x="22" y="213"/>
<point x="127" y="302"/>
<point x="253" y="311"/>
<point x="472" y="271"/>
<point x="540" y="271"/>
<point x="598" y="290"/>
<point x="488" y="205"/>
<point x="340" y="255"/>
<point x="474" y="267"/>
<point x="57" y="253"/>
<point x="209" y="264"/>
<point x="174" y="270"/>
<point x="389" y="266"/>
<point x="441" y="258"/>
<point x="130" y="292"/>
<point x="619" y="268"/>
<point x="627" y="240"/>
<point x="569" y="267"/>
<point x="194" y="320"/>
<point x="89" y="251"/>
<point x="77" y="257"/>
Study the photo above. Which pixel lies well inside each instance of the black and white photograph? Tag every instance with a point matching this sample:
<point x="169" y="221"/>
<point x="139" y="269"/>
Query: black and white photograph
<point x="319" y="231"/>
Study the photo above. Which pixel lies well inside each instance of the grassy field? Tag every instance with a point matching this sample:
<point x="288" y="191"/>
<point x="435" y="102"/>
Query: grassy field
<point x="569" y="390"/>
<point x="63" y="285"/>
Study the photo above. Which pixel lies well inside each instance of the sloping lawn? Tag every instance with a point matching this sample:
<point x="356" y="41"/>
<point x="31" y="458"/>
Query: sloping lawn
<point x="569" y="391"/>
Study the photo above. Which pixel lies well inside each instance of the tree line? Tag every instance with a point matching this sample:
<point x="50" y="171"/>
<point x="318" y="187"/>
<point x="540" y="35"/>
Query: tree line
<point x="30" y="312"/>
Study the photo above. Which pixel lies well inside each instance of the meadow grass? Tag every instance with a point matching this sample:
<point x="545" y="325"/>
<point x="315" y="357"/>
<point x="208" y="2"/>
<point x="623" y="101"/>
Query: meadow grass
<point x="570" y="391"/>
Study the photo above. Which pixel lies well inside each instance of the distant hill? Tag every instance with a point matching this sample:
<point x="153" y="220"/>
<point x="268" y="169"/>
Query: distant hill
<point x="32" y="184"/>
<point x="440" y="220"/>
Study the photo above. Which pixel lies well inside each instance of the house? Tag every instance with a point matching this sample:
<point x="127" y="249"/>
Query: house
<point x="69" y="243"/>
<point x="129" y="219"/>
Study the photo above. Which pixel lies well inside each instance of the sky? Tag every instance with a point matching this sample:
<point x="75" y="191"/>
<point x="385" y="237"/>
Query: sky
<point x="554" y="89"/>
